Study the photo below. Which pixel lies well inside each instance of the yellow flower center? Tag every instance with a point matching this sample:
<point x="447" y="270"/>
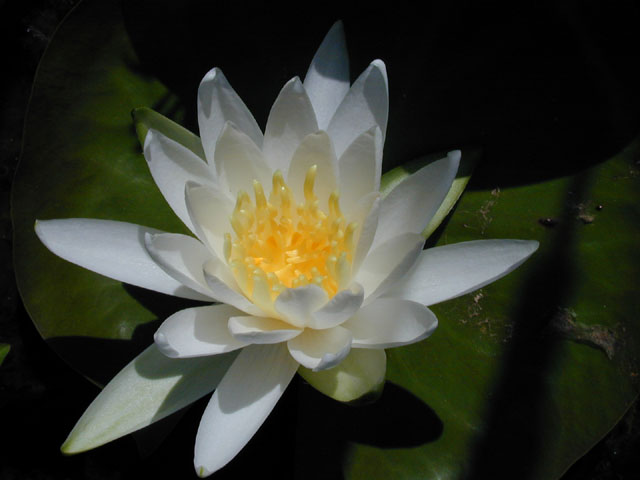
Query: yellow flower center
<point x="279" y="244"/>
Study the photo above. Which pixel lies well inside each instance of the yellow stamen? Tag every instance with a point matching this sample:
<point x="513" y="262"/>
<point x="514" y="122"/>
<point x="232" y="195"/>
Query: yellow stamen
<point x="279" y="244"/>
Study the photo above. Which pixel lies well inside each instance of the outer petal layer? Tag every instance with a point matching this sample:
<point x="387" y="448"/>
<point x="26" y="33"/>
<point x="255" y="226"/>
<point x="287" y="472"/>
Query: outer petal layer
<point x="390" y="322"/>
<point x="365" y="106"/>
<point x="411" y="204"/>
<point x="113" y="249"/>
<point x="241" y="403"/>
<point x="321" y="349"/>
<point x="198" y="331"/>
<point x="182" y="257"/>
<point x="261" y="330"/>
<point x="388" y="263"/>
<point x="327" y="80"/>
<point x="148" y="389"/>
<point x="443" y="273"/>
<point x="172" y="166"/>
<point x="218" y="103"/>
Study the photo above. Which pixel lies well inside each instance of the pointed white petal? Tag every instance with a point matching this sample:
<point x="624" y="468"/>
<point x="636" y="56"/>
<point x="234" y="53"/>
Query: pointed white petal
<point x="327" y="80"/>
<point x="388" y="263"/>
<point x="261" y="330"/>
<point x="365" y="106"/>
<point x="390" y="322"/>
<point x="360" y="373"/>
<point x="180" y="256"/>
<point x="442" y="273"/>
<point x="291" y="119"/>
<point x="218" y="103"/>
<point x="315" y="149"/>
<point x="239" y="161"/>
<point x="148" y="389"/>
<point x="241" y="403"/>
<point x="224" y="288"/>
<point x="113" y="249"/>
<point x="321" y="349"/>
<point x="198" y="331"/>
<point x="210" y="212"/>
<point x="296" y="304"/>
<point x="340" y="308"/>
<point x="359" y="168"/>
<point x="172" y="166"/>
<point x="410" y="206"/>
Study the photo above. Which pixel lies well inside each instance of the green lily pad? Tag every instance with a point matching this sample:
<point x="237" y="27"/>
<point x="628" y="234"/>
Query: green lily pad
<point x="528" y="373"/>
<point x="81" y="158"/>
<point x="520" y="379"/>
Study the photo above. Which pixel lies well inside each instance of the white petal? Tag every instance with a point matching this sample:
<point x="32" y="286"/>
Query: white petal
<point x="315" y="149"/>
<point x="340" y="308"/>
<point x="321" y="349"/>
<point x="410" y="206"/>
<point x="113" y="249"/>
<point x="442" y="273"/>
<point x="210" y="212"/>
<point x="290" y="120"/>
<point x="218" y="103"/>
<point x="198" y="331"/>
<point x="296" y="304"/>
<point x="172" y="166"/>
<point x="370" y="208"/>
<point x="224" y="288"/>
<point x="148" y="389"/>
<point x="239" y="161"/>
<point x="365" y="106"/>
<point x="360" y="373"/>
<point x="241" y="403"/>
<point x="391" y="322"/>
<point x="261" y="330"/>
<point x="388" y="263"/>
<point x="180" y="256"/>
<point x="359" y="168"/>
<point x="327" y="80"/>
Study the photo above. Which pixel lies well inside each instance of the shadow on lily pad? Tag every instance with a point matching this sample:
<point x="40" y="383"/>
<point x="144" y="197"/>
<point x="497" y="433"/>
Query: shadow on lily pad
<point x="511" y="443"/>
<point x="100" y="359"/>
<point x="325" y="428"/>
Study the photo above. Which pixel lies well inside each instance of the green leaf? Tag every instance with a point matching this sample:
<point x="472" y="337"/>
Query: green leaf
<point x="4" y="351"/>
<point x="528" y="373"/>
<point x="81" y="158"/>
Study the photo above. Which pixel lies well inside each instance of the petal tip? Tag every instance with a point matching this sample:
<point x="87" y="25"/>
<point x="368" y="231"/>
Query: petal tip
<point x="533" y="245"/>
<point x="380" y="65"/>
<point x="211" y="75"/>
<point x="455" y="155"/>
<point x="202" y="472"/>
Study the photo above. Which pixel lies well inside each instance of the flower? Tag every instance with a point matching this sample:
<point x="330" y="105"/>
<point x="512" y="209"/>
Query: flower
<point x="313" y="270"/>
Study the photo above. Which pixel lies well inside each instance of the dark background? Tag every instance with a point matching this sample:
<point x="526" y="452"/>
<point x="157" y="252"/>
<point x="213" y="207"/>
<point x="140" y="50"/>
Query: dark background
<point x="545" y="89"/>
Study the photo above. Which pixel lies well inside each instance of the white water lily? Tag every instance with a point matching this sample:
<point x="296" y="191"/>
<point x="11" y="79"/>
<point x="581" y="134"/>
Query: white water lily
<point x="306" y="278"/>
